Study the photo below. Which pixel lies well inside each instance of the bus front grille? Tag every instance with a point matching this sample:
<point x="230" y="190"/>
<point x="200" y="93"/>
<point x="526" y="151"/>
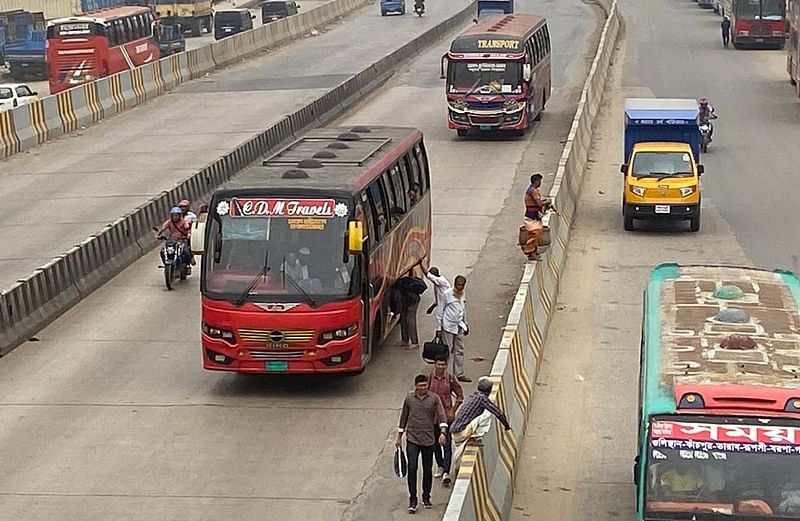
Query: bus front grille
<point x="275" y="355"/>
<point x="275" y="336"/>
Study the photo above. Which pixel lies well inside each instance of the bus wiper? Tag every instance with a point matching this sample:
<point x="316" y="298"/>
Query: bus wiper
<point x="297" y="285"/>
<point x="262" y="275"/>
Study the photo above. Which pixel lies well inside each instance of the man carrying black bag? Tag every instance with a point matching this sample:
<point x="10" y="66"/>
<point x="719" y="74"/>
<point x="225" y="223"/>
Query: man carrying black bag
<point x="407" y="293"/>
<point x="422" y="413"/>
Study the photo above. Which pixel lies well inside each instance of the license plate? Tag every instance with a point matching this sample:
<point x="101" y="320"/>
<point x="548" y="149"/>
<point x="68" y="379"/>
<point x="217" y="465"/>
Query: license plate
<point x="759" y="40"/>
<point x="276" y="367"/>
<point x="662" y="208"/>
<point x="485" y="127"/>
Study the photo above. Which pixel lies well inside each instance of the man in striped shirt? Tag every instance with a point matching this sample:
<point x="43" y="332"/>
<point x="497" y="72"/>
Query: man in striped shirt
<point x="474" y="419"/>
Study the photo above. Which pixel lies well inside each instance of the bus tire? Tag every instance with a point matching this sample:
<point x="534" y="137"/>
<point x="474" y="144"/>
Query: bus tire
<point x="544" y="102"/>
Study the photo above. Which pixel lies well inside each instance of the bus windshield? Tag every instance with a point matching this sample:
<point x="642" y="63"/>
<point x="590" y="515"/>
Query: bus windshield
<point x="485" y="77"/>
<point x="723" y="466"/>
<point x="772" y="10"/>
<point x="299" y="241"/>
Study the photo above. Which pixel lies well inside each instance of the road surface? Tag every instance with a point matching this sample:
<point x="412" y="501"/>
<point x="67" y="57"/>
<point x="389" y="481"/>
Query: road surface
<point x="578" y="453"/>
<point x="81" y="182"/>
<point x="110" y="413"/>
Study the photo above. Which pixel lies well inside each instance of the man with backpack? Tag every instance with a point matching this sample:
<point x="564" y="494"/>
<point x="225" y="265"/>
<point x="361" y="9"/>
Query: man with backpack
<point x="445" y="385"/>
<point x="407" y="291"/>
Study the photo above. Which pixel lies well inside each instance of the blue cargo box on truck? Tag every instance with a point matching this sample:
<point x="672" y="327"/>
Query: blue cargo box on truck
<point x="665" y="120"/>
<point x="494" y="7"/>
<point x="27" y="57"/>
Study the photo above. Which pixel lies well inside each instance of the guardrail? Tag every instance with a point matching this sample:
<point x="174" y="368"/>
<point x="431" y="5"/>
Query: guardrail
<point x="31" y="303"/>
<point x="32" y="124"/>
<point x="484" y="487"/>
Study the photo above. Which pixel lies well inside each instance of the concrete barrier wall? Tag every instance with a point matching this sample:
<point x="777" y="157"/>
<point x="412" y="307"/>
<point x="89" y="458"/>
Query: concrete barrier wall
<point x="32" y="303"/>
<point x="484" y="487"/>
<point x="136" y="86"/>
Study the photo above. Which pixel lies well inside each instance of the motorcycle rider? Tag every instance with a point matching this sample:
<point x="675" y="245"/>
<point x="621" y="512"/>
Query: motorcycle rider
<point x="178" y="230"/>
<point x="707" y="113"/>
<point x="419" y="4"/>
<point x="188" y="215"/>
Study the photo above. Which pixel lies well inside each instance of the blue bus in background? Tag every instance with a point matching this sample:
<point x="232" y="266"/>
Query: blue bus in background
<point x="494" y="7"/>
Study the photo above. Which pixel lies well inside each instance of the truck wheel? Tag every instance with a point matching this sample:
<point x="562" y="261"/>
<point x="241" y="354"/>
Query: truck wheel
<point x="694" y="224"/>
<point x="627" y="221"/>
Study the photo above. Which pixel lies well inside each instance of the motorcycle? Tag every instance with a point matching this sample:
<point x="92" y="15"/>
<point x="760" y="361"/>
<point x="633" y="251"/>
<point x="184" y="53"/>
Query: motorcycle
<point x="173" y="261"/>
<point x="705" y="136"/>
<point x="419" y="8"/>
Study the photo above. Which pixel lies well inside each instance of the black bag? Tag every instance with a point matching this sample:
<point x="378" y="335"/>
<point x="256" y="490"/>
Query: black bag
<point x="417" y="285"/>
<point x="434" y="349"/>
<point x="400" y="463"/>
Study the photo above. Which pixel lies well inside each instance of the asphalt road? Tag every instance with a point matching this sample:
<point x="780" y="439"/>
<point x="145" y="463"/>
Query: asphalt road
<point x="109" y="415"/>
<point x="578" y="453"/>
<point x="83" y="181"/>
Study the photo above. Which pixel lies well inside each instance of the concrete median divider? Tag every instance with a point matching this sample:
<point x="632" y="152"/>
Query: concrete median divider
<point x="31" y="303"/>
<point x="108" y="96"/>
<point x="484" y="487"/>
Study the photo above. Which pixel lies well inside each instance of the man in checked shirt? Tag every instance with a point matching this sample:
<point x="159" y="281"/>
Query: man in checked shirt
<point x="474" y="419"/>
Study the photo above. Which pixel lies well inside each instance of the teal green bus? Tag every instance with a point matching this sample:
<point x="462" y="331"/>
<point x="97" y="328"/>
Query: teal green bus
<point x="719" y="395"/>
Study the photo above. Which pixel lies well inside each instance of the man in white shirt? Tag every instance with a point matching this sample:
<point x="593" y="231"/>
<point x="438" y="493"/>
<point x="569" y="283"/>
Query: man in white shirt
<point x="440" y="285"/>
<point x="453" y="326"/>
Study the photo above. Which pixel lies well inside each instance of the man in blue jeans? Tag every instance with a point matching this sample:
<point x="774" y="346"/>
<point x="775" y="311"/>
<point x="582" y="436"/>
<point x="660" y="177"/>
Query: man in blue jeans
<point x="445" y="385"/>
<point x="422" y="412"/>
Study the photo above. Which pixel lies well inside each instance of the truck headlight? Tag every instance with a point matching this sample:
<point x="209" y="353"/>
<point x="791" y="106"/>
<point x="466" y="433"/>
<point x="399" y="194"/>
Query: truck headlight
<point x="638" y="190"/>
<point x="687" y="191"/>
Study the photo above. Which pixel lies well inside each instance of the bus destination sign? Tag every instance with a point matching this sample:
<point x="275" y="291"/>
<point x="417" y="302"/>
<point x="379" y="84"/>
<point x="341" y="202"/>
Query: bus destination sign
<point x="286" y="208"/>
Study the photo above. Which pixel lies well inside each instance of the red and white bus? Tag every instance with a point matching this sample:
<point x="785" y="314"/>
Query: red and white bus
<point x="98" y="44"/>
<point x="498" y="74"/>
<point x="300" y="252"/>
<point x="757" y="23"/>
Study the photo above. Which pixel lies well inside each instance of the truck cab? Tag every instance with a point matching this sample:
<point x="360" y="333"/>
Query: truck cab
<point x="662" y="166"/>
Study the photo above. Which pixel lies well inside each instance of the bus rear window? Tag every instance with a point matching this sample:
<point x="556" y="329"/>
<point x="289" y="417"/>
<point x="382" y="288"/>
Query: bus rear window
<point x="70" y="29"/>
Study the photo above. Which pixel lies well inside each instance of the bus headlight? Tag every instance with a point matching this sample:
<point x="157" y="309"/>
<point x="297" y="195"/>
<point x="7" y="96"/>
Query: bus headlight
<point x="513" y="106"/>
<point x="744" y="33"/>
<point x="638" y="190"/>
<point x="338" y="334"/>
<point x="687" y="191"/>
<point x="457" y="106"/>
<point x="215" y="332"/>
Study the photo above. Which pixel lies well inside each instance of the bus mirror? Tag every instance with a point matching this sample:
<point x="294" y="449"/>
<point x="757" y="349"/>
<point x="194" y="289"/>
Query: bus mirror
<point x="701" y="169"/>
<point x="355" y="237"/>
<point x="218" y="248"/>
<point x="198" y="237"/>
<point x="526" y="72"/>
<point x="623" y="168"/>
<point x="443" y="67"/>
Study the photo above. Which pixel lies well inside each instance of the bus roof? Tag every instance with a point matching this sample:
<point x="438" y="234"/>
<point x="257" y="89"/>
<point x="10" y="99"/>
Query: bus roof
<point x="495" y="33"/>
<point x="102" y="15"/>
<point x="691" y="313"/>
<point x="339" y="158"/>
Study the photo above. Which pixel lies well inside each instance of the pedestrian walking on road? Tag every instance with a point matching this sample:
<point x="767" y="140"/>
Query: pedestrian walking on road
<point x="407" y="294"/>
<point x="450" y="392"/>
<point x="726" y="31"/>
<point x="453" y="326"/>
<point x="474" y="419"/>
<point x="420" y="419"/>
<point x="532" y="227"/>
<point x="440" y="285"/>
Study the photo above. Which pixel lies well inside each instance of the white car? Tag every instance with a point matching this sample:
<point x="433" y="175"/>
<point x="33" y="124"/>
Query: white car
<point x="15" y="94"/>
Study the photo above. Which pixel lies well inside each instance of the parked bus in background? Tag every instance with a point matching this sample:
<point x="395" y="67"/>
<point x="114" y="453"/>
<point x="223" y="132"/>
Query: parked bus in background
<point x="87" y="47"/>
<point x="793" y="49"/>
<point x="719" y="395"/>
<point x="757" y="23"/>
<point x="192" y="15"/>
<point x="299" y="254"/>
<point x="498" y="74"/>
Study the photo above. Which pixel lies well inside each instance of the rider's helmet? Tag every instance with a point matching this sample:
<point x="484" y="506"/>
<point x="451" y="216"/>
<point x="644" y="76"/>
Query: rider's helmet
<point x="176" y="211"/>
<point x="185" y="203"/>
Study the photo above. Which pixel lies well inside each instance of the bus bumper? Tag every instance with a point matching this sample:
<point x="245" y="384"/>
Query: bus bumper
<point x="501" y="121"/>
<point x="760" y="41"/>
<point x="336" y="357"/>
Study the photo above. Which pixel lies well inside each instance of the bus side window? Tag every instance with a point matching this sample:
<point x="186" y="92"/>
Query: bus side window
<point x="368" y="216"/>
<point x="410" y="182"/>
<point x="150" y="19"/>
<point x="376" y="199"/>
<point x="531" y="54"/>
<point x="111" y="34"/>
<point x="394" y="207"/>
<point x="537" y="46"/>
<point x="118" y="26"/>
<point x="400" y="188"/>
<point x="422" y="160"/>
